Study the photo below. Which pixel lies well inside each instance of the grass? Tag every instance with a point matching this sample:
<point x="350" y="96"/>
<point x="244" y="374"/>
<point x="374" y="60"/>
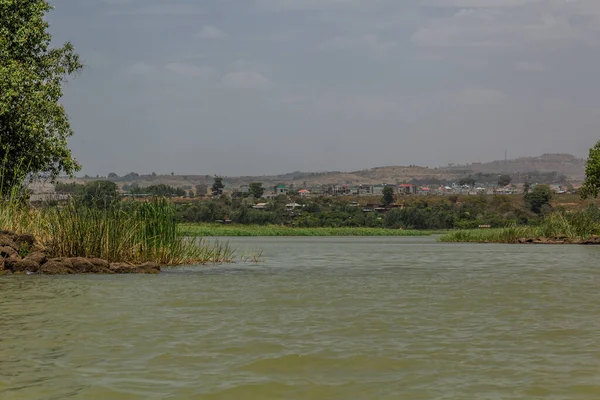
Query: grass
<point x="133" y="233"/>
<point x="573" y="226"/>
<point x="208" y="230"/>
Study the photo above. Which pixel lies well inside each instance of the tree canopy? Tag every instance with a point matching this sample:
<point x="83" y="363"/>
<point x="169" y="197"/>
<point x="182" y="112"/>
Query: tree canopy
<point x="591" y="185"/>
<point x="388" y="195"/>
<point x="539" y="197"/>
<point x="34" y="126"/>
<point x="504" y="180"/>
<point x="256" y="189"/>
<point x="217" y="186"/>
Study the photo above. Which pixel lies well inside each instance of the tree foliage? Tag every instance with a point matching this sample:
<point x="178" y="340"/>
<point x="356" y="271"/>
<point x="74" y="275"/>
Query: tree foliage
<point x="388" y="195"/>
<point x="591" y="185"/>
<point x="504" y="180"/>
<point x="540" y="196"/>
<point x="217" y="186"/>
<point x="470" y="181"/>
<point x="34" y="126"/>
<point x="256" y="189"/>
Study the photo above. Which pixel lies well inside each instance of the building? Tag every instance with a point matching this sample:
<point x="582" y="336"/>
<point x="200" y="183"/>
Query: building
<point x="281" y="189"/>
<point x="407" y="188"/>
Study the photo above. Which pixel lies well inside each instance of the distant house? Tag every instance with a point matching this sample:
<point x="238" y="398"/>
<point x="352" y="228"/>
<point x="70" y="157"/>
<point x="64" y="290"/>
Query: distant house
<point x="304" y="193"/>
<point x="365" y="190"/>
<point x="201" y="190"/>
<point x="281" y="189"/>
<point x="377" y="190"/>
<point x="41" y="191"/>
<point x="260" y="206"/>
<point x="292" y="206"/>
<point x="407" y="188"/>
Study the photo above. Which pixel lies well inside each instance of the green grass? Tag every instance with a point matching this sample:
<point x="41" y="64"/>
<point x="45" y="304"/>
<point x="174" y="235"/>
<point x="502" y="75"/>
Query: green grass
<point x="571" y="226"/>
<point x="208" y="230"/>
<point x="132" y="233"/>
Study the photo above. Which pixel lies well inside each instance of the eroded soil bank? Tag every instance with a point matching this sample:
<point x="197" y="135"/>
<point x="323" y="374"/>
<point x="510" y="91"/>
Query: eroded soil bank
<point x="21" y="254"/>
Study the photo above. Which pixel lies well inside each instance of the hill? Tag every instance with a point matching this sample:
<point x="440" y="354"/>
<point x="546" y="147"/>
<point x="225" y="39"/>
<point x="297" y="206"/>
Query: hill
<point x="553" y="165"/>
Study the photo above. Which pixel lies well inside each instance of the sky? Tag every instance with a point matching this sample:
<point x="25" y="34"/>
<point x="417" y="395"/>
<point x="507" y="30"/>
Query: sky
<point x="253" y="87"/>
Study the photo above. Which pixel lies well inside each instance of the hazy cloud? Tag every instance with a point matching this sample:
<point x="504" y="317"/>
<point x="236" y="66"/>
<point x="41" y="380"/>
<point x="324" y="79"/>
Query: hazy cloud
<point x="210" y="32"/>
<point x="190" y="70"/>
<point x="245" y="80"/>
<point x="345" y="83"/>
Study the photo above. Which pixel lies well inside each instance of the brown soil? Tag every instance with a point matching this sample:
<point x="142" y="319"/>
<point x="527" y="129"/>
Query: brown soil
<point x="594" y="240"/>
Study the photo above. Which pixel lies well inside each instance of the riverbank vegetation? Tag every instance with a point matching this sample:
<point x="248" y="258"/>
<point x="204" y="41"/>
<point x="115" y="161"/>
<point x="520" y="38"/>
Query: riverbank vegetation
<point x="216" y="230"/>
<point x="580" y="226"/>
<point x="132" y="232"/>
<point x="560" y="227"/>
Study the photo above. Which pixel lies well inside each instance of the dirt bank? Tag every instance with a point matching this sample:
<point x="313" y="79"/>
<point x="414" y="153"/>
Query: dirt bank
<point x="21" y="254"/>
<point x="594" y="240"/>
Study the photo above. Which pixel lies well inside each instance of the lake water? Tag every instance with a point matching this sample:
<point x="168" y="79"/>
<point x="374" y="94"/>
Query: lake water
<point x="320" y="318"/>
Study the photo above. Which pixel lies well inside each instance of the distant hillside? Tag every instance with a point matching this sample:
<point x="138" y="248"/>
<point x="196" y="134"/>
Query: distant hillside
<point x="563" y="164"/>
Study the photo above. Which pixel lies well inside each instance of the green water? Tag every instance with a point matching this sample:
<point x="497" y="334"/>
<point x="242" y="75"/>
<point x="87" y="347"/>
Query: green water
<point x="321" y="318"/>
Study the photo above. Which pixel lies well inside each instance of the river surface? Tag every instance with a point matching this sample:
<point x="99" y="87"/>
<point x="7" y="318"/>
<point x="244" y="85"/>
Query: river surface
<point x="319" y="318"/>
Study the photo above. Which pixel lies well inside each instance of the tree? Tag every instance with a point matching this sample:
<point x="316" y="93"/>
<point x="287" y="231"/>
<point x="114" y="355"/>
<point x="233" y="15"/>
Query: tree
<point x="526" y="187"/>
<point x="504" y="180"/>
<point x="591" y="185"/>
<point x="467" y="182"/>
<point x="539" y="197"/>
<point x="388" y="195"/>
<point x="256" y="189"/>
<point x="100" y="194"/>
<point x="34" y="127"/>
<point x="217" y="186"/>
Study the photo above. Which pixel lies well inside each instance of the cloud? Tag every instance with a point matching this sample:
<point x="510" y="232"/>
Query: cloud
<point x="525" y="23"/>
<point x="245" y="80"/>
<point x="140" y="68"/>
<point x="308" y="5"/>
<point x="210" y="32"/>
<point x="190" y="70"/>
<point x="369" y="41"/>
<point x="127" y="8"/>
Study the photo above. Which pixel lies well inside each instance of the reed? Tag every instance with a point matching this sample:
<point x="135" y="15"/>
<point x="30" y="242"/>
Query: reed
<point x="572" y="226"/>
<point x="133" y="233"/>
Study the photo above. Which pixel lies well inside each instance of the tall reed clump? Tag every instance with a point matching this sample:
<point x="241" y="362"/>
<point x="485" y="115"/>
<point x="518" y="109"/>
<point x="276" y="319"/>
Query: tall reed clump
<point x="133" y="232"/>
<point x="573" y="226"/>
<point x="509" y="234"/>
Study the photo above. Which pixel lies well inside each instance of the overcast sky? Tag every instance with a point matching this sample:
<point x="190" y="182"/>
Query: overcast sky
<point x="240" y="87"/>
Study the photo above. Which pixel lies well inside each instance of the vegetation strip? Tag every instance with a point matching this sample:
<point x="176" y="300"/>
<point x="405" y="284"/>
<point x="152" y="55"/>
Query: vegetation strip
<point x="575" y="227"/>
<point x="216" y="230"/>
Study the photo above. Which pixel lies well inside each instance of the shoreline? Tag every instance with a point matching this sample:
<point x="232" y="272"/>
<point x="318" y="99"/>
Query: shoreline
<point x="238" y="230"/>
<point x="21" y="254"/>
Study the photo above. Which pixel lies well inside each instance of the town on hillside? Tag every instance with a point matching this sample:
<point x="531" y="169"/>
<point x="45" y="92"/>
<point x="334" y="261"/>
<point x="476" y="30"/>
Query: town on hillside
<point x="561" y="172"/>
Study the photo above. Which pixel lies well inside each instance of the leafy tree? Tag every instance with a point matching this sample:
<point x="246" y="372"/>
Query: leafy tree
<point x="163" y="190"/>
<point x="504" y="180"/>
<point x="526" y="187"/>
<point x="256" y="189"/>
<point x="112" y="175"/>
<point x="68" y="188"/>
<point x="34" y="127"/>
<point x="467" y="182"/>
<point x="217" y="186"/>
<point x="100" y="194"/>
<point x="539" y="197"/>
<point x="591" y="185"/>
<point x="388" y="195"/>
